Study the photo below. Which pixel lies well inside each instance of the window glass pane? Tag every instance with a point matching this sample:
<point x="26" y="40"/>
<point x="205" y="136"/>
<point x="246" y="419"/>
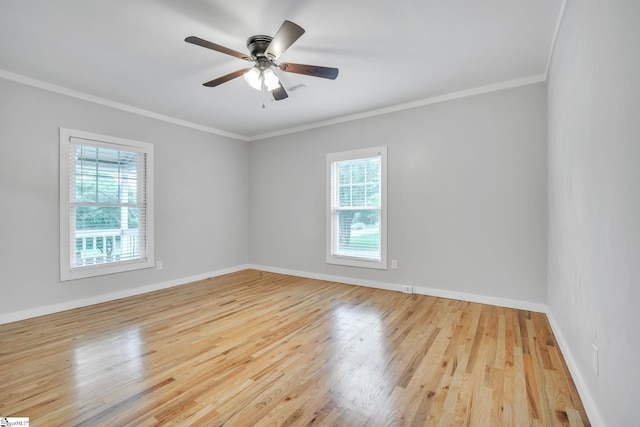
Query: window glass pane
<point x="373" y="195"/>
<point x="108" y="156"/>
<point x="86" y="154"/>
<point x="86" y="188"/>
<point x="373" y="170"/>
<point x="357" y="195"/>
<point x="344" y="172"/>
<point x="344" y="196"/>
<point x="359" y="233"/>
<point x="133" y="218"/>
<point x="358" y="171"/>
<point x="128" y="189"/>
<point x="107" y="188"/>
<point x="97" y="218"/>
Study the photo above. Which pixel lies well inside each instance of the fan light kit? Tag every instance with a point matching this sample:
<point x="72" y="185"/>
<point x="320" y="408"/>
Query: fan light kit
<point x="264" y="50"/>
<point x="257" y="78"/>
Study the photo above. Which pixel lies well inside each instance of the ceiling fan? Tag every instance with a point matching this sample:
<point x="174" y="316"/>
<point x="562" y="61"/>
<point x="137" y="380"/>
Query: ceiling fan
<point x="263" y="52"/>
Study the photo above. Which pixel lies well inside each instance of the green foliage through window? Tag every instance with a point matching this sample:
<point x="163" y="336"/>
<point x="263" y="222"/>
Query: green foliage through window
<point x="105" y="177"/>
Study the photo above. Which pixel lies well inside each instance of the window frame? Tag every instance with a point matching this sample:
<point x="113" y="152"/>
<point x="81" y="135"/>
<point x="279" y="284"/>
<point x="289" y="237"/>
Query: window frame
<point x="331" y="226"/>
<point x="67" y="272"/>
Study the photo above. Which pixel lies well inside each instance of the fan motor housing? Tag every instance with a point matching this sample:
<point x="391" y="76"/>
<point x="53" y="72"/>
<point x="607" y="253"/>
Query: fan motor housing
<point x="257" y="45"/>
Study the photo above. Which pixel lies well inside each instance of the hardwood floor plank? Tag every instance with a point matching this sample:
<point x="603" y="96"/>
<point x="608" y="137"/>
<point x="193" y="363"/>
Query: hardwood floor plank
<point x="258" y="348"/>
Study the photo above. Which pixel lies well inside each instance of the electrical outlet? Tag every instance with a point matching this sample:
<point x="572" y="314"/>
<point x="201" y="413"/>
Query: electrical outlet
<point x="394" y="264"/>
<point x="594" y="360"/>
<point x="159" y="265"/>
<point x="407" y="289"/>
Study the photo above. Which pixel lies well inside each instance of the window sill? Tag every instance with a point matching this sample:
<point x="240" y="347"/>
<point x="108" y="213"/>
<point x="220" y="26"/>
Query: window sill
<point x="357" y="262"/>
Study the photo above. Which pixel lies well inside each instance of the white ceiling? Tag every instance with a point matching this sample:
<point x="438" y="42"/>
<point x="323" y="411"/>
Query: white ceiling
<point x="389" y="53"/>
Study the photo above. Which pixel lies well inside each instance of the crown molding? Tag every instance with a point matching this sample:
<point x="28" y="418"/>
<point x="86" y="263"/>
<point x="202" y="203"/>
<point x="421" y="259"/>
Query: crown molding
<point x="538" y="78"/>
<point x="7" y="75"/>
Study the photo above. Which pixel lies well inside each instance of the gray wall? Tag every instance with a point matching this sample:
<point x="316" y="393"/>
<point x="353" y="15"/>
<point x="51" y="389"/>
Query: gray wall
<point x="594" y="199"/>
<point x="467" y="204"/>
<point x="201" y="197"/>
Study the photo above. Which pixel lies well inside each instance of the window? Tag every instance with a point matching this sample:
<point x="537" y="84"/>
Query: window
<point x="356" y="205"/>
<point x="106" y="204"/>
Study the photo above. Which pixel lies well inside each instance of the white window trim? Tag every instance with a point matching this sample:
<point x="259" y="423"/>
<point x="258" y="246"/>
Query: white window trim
<point x="66" y="272"/>
<point x="354" y="261"/>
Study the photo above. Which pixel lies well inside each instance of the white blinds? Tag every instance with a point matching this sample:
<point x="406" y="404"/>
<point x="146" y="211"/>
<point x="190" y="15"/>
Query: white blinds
<point x="107" y="203"/>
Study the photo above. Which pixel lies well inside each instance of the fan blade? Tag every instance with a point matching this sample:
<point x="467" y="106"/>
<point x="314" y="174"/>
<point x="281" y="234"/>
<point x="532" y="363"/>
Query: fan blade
<point x="209" y="45"/>
<point x="279" y="93"/>
<point x="226" y="78"/>
<point x="285" y="37"/>
<point x="310" y="70"/>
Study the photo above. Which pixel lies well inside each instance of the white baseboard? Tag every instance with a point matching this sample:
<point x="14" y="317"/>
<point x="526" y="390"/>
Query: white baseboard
<point x="576" y="374"/>
<point x="482" y="299"/>
<point x="83" y="302"/>
<point x="462" y="296"/>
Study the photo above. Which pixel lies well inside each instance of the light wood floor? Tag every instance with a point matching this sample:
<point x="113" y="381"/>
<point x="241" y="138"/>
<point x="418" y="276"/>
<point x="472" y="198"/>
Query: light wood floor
<point x="256" y="348"/>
